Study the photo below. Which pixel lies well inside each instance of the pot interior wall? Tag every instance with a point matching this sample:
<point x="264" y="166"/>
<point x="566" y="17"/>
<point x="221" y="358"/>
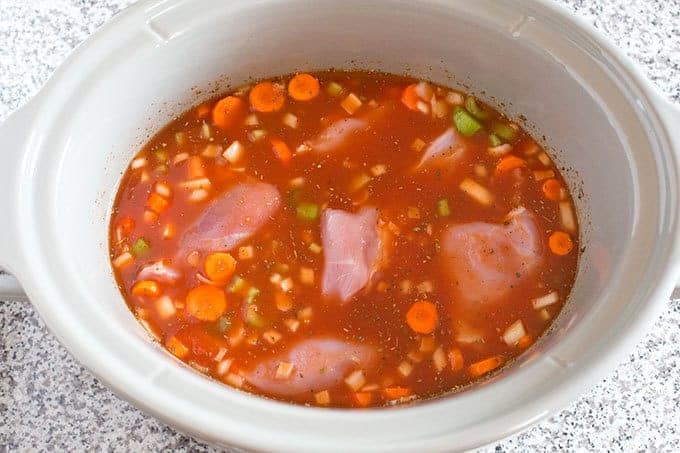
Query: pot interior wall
<point x="187" y="53"/>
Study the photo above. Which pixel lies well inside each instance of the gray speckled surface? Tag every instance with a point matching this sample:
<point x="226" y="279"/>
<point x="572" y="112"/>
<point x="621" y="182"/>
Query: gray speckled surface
<point x="49" y="402"/>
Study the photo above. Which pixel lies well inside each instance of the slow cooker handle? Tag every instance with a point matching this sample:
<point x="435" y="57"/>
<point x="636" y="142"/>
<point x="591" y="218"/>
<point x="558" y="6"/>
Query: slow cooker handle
<point x="15" y="133"/>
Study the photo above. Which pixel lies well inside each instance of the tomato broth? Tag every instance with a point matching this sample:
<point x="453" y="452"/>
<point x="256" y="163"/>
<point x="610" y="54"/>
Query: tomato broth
<point x="347" y="239"/>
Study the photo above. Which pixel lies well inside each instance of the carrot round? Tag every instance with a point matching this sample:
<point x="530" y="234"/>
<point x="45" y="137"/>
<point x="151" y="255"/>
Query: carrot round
<point x="206" y="303"/>
<point x="509" y="163"/>
<point x="482" y="367"/>
<point x="281" y="150"/>
<point x="219" y="266"/>
<point x="560" y="243"/>
<point x="422" y="317"/>
<point x="267" y="97"/>
<point x="552" y="189"/>
<point x="229" y="112"/>
<point x="409" y="97"/>
<point x="303" y="87"/>
<point x="146" y="288"/>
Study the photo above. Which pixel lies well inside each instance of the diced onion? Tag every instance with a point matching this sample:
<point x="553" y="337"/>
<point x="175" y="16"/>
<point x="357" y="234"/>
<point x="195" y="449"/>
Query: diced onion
<point x="220" y="354"/>
<point x="256" y="135"/>
<point x="540" y="175"/>
<point x="412" y="212"/>
<point x="245" y="252"/>
<point x="476" y="191"/>
<point x="425" y="287"/>
<point x="481" y="171"/>
<point x="424" y="91"/>
<point x="307" y="276"/>
<point x="234" y="152"/>
<point x="292" y="324"/>
<point x="122" y="260"/>
<point x="181" y="157"/>
<point x="567" y="216"/>
<point x="211" y="151"/>
<point x="405" y="368"/>
<point x="290" y="120"/>
<point x="439" y="359"/>
<point x="251" y="120"/>
<point x="423" y="107"/>
<point x="358" y="182"/>
<point x="196" y="184"/>
<point x="455" y="98"/>
<point x="224" y="366"/>
<point x="286" y="284"/>
<point x="355" y="380"/>
<point x="305" y="314"/>
<point x="138" y="163"/>
<point x="439" y="108"/>
<point x="514" y="333"/>
<point x="315" y="248"/>
<point x="165" y="307"/>
<point x="272" y="336"/>
<point x="198" y="195"/>
<point x="206" y="132"/>
<point x="351" y="103"/>
<point x="234" y="380"/>
<point x="500" y="150"/>
<point x="544" y="301"/>
<point x="378" y="170"/>
<point x="303" y="148"/>
<point x="144" y="176"/>
<point x="544" y="159"/>
<point x="323" y="398"/>
<point x="427" y="344"/>
<point x="418" y="145"/>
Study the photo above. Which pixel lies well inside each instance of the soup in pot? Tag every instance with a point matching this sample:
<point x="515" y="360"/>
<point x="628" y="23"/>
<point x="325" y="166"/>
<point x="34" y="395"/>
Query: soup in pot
<point x="347" y="239"/>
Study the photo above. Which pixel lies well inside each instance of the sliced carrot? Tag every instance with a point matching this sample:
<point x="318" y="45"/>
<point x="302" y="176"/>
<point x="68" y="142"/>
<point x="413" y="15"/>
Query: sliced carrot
<point x="422" y="317"/>
<point x="283" y="302"/>
<point x="219" y="266"/>
<point x="281" y="150"/>
<point x="552" y="189"/>
<point x="409" y="97"/>
<point x="267" y="97"/>
<point x="560" y="243"/>
<point x="156" y="203"/>
<point x="482" y="367"/>
<point x="127" y="225"/>
<point x="176" y="347"/>
<point x="509" y="163"/>
<point x="203" y="110"/>
<point x="196" y="168"/>
<point x="229" y="112"/>
<point x="456" y="359"/>
<point x="396" y="392"/>
<point x="206" y="302"/>
<point x="147" y="288"/>
<point x="362" y="399"/>
<point x="303" y="87"/>
<point x="526" y="341"/>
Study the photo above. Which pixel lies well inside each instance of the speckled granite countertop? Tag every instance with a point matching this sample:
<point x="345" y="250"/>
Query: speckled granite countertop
<point x="49" y="402"/>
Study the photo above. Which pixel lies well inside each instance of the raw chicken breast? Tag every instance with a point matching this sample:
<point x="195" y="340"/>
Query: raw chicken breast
<point x="446" y="150"/>
<point x="318" y="364"/>
<point x="353" y="250"/>
<point x="485" y="261"/>
<point x="232" y="217"/>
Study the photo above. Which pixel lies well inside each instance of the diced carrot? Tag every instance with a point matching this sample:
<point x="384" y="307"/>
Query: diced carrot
<point x="169" y="231"/>
<point x="229" y="112"/>
<point x="482" y="367"/>
<point x="560" y="243"/>
<point x="552" y="189"/>
<point x="409" y="97"/>
<point x="422" y="317"/>
<point x="456" y="359"/>
<point x="206" y="303"/>
<point x="156" y="203"/>
<point x="396" y="392"/>
<point x="219" y="266"/>
<point x="203" y="110"/>
<point x="147" y="288"/>
<point x="283" y="301"/>
<point x="509" y="163"/>
<point x="127" y="225"/>
<point x="303" y="87"/>
<point x="176" y="347"/>
<point x="362" y="399"/>
<point x="267" y="97"/>
<point x="281" y="150"/>
<point x="526" y="341"/>
<point x="196" y="168"/>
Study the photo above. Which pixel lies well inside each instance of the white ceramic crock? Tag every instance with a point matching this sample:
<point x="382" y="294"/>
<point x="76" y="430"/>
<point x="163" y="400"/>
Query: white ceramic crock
<point x="64" y="152"/>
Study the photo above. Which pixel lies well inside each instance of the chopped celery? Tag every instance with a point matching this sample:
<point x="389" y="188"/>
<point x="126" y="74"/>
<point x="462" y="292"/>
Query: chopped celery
<point x="252" y="295"/>
<point x="334" y="89"/>
<point x="237" y="285"/>
<point x="308" y="211"/>
<point x="224" y="323"/>
<point x="443" y="208"/>
<point x="140" y="247"/>
<point x="253" y="318"/>
<point x="474" y="108"/>
<point x="465" y="123"/>
<point x="504" y="131"/>
<point x="494" y="140"/>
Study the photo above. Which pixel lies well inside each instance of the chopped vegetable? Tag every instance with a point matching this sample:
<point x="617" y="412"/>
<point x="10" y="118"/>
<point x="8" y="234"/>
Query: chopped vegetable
<point x="334" y="89"/>
<point x="560" y="243"/>
<point x="253" y="318"/>
<point x="281" y="150"/>
<point x="272" y="336"/>
<point x="229" y="112"/>
<point x="307" y="276"/>
<point x="256" y="135"/>
<point x="455" y="98"/>
<point x="525" y="342"/>
<point x="176" y="347"/>
<point x="307" y="211"/>
<point x="544" y="301"/>
<point x="504" y="131"/>
<point x="358" y="182"/>
<point x="284" y="370"/>
<point x="156" y="203"/>
<point x="234" y="380"/>
<point x="439" y="361"/>
<point x="540" y="175"/>
<point x="409" y="97"/>
<point x="494" y="140"/>
<point x="552" y="189"/>
<point x="362" y="399"/>
<point x="405" y="368"/>
<point x="474" y="108"/>
<point x="238" y="284"/>
<point x="456" y="359"/>
<point x="165" y="307"/>
<point x="427" y="344"/>
<point x="395" y="392"/>
<point x="292" y="324"/>
<point x="465" y="123"/>
<point x="303" y="87"/>
<point x="514" y="333"/>
<point x="443" y="208"/>
<point x="206" y="303"/>
<point x="196" y="168"/>
<point x="315" y="248"/>
<point x="225" y="323"/>
<point x="476" y="191"/>
<point x="219" y="266"/>
<point x="224" y="366"/>
<point x="252" y="295"/>
<point x="567" y="216"/>
<point x="509" y="163"/>
<point x="146" y="288"/>
<point x="251" y="120"/>
<point x="245" y="252"/>
<point x="139" y="162"/>
<point x="290" y="120"/>
<point x="234" y="152"/>
<point x="485" y="366"/>
<point x="123" y="260"/>
<point x="323" y="398"/>
<point x="283" y="302"/>
<point x="267" y="97"/>
<point x="356" y="380"/>
<point x="422" y="317"/>
<point x="412" y="212"/>
<point x="418" y="145"/>
<point x="351" y="103"/>
<point x="140" y="247"/>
